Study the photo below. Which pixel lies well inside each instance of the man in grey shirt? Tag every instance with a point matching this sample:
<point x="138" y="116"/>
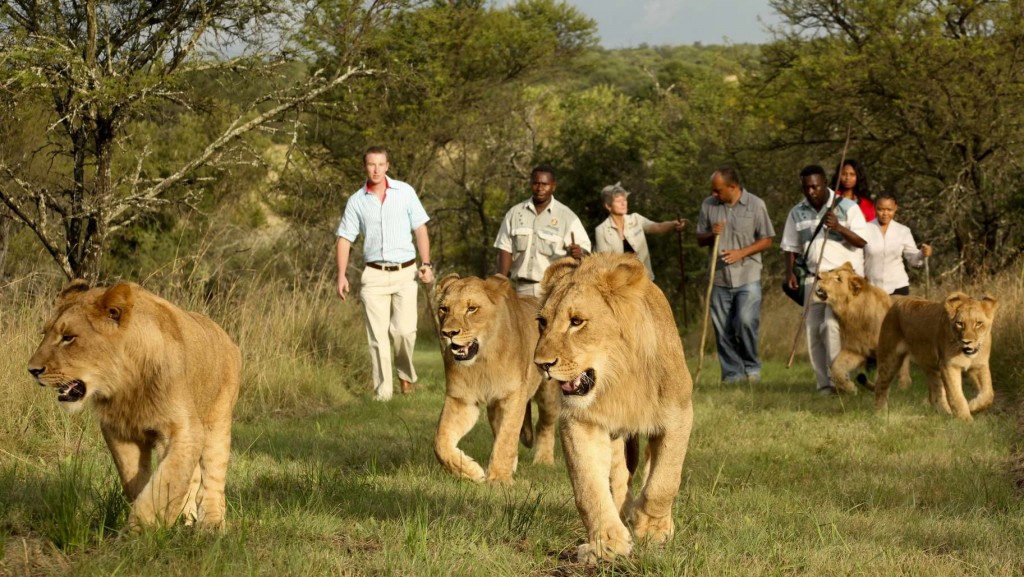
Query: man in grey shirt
<point x="741" y="220"/>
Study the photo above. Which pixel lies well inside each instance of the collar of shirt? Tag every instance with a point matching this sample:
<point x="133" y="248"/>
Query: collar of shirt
<point x="533" y="208"/>
<point x="366" y="186"/>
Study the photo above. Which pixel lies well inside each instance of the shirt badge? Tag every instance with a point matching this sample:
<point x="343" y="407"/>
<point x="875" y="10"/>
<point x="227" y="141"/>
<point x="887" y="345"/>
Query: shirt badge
<point x="554" y="222"/>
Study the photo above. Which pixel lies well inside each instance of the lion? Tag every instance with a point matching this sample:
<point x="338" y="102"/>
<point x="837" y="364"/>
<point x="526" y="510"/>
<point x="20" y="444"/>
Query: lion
<point x="944" y="339"/>
<point x="161" y="381"/>
<point x="489" y="333"/>
<point x="608" y="338"/>
<point x="859" y="307"/>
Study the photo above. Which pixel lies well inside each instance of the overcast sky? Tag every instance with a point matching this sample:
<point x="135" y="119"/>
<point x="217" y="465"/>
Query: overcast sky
<point x="624" y="23"/>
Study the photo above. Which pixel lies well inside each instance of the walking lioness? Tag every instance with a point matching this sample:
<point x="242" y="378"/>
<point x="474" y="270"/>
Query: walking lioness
<point x="161" y="380"/>
<point x="608" y="338"/>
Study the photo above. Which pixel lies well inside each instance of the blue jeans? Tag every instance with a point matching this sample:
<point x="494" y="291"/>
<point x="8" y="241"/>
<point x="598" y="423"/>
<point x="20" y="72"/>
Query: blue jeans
<point x="736" y="314"/>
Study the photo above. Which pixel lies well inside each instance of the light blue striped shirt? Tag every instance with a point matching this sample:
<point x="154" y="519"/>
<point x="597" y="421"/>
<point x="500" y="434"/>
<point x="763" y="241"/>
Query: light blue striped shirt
<point x="386" y="227"/>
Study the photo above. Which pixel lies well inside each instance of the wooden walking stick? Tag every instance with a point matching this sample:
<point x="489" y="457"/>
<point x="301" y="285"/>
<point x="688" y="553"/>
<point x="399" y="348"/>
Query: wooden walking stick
<point x="707" y="307"/>
<point x="817" y="263"/>
<point x="927" y="278"/>
<point x="682" y="278"/>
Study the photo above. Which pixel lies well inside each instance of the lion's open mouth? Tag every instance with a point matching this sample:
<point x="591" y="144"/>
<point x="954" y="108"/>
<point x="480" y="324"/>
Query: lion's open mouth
<point x="71" y="392"/>
<point x="968" y="350"/>
<point x="581" y="385"/>
<point x="821" y="294"/>
<point x="465" y="352"/>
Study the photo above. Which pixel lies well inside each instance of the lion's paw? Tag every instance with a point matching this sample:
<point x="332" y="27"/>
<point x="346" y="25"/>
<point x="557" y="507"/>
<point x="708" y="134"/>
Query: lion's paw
<point x="544" y="458"/>
<point x="654" y="529"/>
<point x="611" y="543"/>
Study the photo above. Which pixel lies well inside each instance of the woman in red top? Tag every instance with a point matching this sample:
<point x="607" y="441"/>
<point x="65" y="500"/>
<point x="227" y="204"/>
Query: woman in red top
<point x="851" y="181"/>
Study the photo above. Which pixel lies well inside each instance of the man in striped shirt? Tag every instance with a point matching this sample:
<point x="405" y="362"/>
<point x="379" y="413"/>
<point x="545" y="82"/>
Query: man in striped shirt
<point x="389" y="215"/>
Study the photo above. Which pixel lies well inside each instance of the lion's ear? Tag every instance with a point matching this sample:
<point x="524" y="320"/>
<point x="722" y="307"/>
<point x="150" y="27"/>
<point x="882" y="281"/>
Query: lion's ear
<point x="443" y="284"/>
<point x="626" y="275"/>
<point x="847" y="266"/>
<point x="116" y="304"/>
<point x="497" y="286"/>
<point x="856" y="284"/>
<point x="954" y="301"/>
<point x="557" y="271"/>
<point x="989" y="305"/>
<point x="79" y="285"/>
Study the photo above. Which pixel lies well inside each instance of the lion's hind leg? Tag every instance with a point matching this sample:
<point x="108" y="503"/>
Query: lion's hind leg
<point x="191" y="512"/>
<point x="547" y="397"/>
<point x="213" y="464"/>
<point x="457" y="418"/>
<point x="892" y="355"/>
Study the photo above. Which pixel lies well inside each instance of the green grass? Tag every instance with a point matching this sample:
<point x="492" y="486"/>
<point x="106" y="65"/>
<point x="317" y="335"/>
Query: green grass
<point x="777" y="481"/>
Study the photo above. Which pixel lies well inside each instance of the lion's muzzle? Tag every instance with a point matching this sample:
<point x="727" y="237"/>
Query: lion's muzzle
<point x="581" y="385"/>
<point x="464" y="352"/>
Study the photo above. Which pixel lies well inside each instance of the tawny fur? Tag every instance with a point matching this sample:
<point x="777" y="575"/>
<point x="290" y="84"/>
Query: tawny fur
<point x="501" y="377"/>
<point x="163" y="383"/>
<point x="604" y="314"/>
<point x="944" y="339"/>
<point x="859" y="307"/>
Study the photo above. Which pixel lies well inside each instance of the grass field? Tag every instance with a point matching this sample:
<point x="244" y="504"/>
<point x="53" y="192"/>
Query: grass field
<point x="325" y="481"/>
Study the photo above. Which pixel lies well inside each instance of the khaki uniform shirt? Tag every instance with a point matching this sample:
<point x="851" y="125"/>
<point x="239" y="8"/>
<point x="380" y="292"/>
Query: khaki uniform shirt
<point x="537" y="240"/>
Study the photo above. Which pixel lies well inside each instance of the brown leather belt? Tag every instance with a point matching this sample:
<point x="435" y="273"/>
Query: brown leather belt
<point x="390" y="267"/>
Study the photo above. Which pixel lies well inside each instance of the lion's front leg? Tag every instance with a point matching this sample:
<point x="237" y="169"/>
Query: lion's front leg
<point x="133" y="460"/>
<point x="952" y="382"/>
<point x="457" y="419"/>
<point x="619" y="477"/>
<point x="981" y="378"/>
<point x="162" y="500"/>
<point x="547" y="398"/>
<point x="651" y="517"/>
<point x="845" y="362"/>
<point x="588" y="456"/>
<point x="211" y="503"/>
<point x="507" y="419"/>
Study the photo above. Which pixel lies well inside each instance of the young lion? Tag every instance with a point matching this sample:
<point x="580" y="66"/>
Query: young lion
<point x="860" y="307"/>
<point x="490" y="333"/>
<point x="162" y="380"/>
<point x="609" y="340"/>
<point x="944" y="339"/>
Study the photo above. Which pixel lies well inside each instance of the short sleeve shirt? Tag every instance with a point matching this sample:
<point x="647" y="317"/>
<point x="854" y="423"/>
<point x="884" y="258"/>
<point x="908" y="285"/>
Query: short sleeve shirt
<point x="386" y="226"/>
<point x="801" y="224"/>
<point x="746" y="222"/>
<point x="536" y="240"/>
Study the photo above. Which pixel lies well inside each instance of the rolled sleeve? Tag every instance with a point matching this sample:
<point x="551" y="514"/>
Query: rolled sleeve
<point x="581" y="235"/>
<point x="348" y="228"/>
<point x="417" y="215"/>
<point x="504" y="238"/>
<point x="790" y="237"/>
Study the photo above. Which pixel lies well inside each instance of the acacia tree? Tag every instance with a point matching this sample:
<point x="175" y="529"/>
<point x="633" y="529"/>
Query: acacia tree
<point x="87" y="71"/>
<point x="932" y="90"/>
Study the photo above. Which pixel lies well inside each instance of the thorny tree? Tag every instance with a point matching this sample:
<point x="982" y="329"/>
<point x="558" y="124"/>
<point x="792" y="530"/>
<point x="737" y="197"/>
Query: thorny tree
<point x="86" y="71"/>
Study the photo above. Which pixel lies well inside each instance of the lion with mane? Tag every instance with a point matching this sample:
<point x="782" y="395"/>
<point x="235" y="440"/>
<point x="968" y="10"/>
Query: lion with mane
<point x="162" y="381"/>
<point x="489" y="333"/>
<point x="945" y="339"/>
<point x="609" y="340"/>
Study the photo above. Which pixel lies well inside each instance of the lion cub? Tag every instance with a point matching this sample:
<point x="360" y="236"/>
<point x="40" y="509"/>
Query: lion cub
<point x="944" y="339"/>
<point x="609" y="340"/>
<point x="162" y="381"/>
<point x="490" y="333"/>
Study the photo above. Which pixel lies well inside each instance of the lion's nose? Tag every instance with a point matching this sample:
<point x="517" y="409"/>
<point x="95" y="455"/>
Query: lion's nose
<point x="449" y="334"/>
<point x="36" y="371"/>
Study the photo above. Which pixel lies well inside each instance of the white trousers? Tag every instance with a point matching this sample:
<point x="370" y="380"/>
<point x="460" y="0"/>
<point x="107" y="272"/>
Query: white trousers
<point x="389" y="306"/>
<point x="823" y="342"/>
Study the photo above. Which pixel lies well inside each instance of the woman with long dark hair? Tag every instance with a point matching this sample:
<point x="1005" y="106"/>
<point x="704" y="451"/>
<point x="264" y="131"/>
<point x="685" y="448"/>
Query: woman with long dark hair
<point x="851" y="181"/>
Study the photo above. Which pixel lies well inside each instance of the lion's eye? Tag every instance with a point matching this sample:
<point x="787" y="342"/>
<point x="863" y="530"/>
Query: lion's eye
<point x="958" y="325"/>
<point x="576" y="322"/>
<point x="471" y="309"/>
<point x="542" y="323"/>
<point x="442" y="310"/>
<point x="978" y="324"/>
<point x="67" y="339"/>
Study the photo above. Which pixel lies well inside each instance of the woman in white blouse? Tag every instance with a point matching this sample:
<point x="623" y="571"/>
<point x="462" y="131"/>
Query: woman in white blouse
<point x="622" y="232"/>
<point x="889" y="243"/>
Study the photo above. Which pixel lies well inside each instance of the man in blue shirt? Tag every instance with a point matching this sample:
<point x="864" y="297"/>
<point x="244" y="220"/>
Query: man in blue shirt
<point x="388" y="214"/>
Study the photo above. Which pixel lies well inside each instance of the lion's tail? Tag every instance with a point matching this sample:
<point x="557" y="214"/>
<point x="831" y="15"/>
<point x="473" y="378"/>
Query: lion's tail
<point x="526" y="432"/>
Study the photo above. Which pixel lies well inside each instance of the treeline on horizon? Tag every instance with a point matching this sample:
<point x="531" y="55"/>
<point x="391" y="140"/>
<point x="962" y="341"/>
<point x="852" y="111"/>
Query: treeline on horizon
<point x="130" y="149"/>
